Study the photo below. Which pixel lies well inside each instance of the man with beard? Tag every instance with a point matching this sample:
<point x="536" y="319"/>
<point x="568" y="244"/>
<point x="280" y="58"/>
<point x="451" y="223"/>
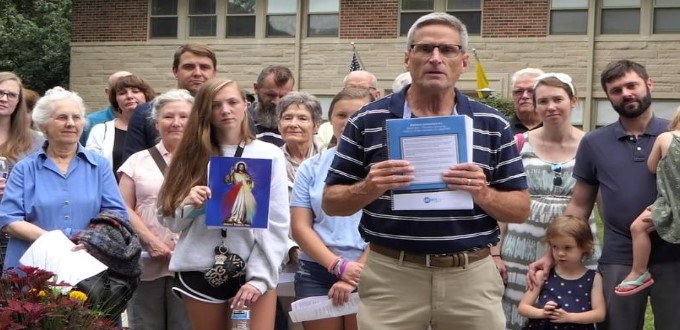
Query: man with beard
<point x="611" y="163"/>
<point x="273" y="83"/>
<point x="525" y="117"/>
<point x="193" y="65"/>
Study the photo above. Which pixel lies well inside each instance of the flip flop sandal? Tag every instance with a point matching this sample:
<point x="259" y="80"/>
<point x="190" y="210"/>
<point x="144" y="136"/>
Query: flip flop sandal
<point x="627" y="288"/>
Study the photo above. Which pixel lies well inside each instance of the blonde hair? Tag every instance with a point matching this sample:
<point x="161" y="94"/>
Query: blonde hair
<point x="675" y="122"/>
<point x="571" y="226"/>
<point x="189" y="164"/>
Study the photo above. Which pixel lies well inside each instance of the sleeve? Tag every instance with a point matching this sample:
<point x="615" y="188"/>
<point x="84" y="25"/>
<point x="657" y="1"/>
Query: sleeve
<point x="303" y="182"/>
<point x="584" y="168"/>
<point x="12" y="205"/>
<point x="507" y="172"/>
<point x="183" y="217"/>
<point x="111" y="198"/>
<point x="270" y="245"/>
<point x="136" y="137"/>
<point x="95" y="140"/>
<point x="129" y="166"/>
<point x="348" y="166"/>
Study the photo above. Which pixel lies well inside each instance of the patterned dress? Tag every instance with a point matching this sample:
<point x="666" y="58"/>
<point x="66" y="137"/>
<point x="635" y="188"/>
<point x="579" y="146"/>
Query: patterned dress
<point x="572" y="295"/>
<point x="666" y="210"/>
<point x="523" y="243"/>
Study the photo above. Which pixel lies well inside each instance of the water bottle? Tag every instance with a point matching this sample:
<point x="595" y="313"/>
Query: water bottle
<point x="240" y="319"/>
<point x="4" y="168"/>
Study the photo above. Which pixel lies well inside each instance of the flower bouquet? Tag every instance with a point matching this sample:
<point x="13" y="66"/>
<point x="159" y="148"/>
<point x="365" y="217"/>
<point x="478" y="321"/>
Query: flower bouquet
<point x="31" y="298"/>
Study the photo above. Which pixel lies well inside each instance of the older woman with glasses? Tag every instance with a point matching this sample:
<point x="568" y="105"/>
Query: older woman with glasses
<point x="548" y="154"/>
<point x="60" y="187"/>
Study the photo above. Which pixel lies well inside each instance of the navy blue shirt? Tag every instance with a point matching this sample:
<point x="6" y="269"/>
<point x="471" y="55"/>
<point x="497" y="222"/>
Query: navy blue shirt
<point x="616" y="163"/>
<point x="142" y="133"/>
<point x="436" y="231"/>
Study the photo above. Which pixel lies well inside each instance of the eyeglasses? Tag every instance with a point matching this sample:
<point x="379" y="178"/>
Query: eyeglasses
<point x="10" y="95"/>
<point x="520" y="92"/>
<point x="446" y="50"/>
<point x="557" y="169"/>
<point x="562" y="77"/>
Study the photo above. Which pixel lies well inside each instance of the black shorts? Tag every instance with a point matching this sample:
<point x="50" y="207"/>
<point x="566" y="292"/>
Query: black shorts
<point x="194" y="285"/>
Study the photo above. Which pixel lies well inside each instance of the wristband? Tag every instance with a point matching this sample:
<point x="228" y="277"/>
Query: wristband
<point x="495" y="255"/>
<point x="343" y="266"/>
<point x="333" y="264"/>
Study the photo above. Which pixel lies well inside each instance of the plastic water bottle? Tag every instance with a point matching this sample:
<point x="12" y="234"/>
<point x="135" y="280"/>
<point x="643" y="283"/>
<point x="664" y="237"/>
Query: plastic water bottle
<point x="240" y="319"/>
<point x="4" y="168"/>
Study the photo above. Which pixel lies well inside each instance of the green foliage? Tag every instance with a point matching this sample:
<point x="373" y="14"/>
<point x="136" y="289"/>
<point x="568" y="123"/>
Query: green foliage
<point x="502" y="104"/>
<point x="35" y="41"/>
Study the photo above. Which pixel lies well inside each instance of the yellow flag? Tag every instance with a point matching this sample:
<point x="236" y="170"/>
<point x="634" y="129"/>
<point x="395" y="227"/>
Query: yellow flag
<point x="482" y="82"/>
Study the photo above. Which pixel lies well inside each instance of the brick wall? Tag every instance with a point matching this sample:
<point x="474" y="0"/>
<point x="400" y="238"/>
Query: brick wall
<point x="373" y="19"/>
<point x="515" y="18"/>
<point x="101" y="20"/>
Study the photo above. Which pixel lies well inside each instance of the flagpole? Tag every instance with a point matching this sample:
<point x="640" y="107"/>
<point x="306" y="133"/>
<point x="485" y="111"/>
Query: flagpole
<point x="354" y="49"/>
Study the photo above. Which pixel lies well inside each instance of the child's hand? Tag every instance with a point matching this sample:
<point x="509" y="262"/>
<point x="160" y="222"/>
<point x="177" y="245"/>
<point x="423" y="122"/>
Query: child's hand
<point x="549" y="309"/>
<point x="560" y="316"/>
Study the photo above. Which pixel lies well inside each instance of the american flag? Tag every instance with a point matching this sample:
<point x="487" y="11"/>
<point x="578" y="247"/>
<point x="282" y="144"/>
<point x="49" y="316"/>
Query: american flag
<point x="355" y="65"/>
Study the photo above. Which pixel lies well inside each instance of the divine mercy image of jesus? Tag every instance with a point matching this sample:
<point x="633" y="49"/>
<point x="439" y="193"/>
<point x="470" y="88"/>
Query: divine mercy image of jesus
<point x="238" y="204"/>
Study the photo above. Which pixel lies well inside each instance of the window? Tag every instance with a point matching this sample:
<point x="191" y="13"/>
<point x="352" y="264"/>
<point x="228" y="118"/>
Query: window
<point x="411" y="10"/>
<point x="666" y="14"/>
<point x="202" y="18"/>
<point x="281" y="16"/>
<point x="323" y="18"/>
<point x="240" y="18"/>
<point x="469" y="12"/>
<point x="620" y="17"/>
<point x="163" y="19"/>
<point x="568" y="16"/>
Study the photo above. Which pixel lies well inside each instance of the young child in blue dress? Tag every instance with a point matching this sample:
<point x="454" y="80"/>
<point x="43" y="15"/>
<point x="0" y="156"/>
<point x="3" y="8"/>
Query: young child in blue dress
<point x="570" y="296"/>
<point x="663" y="161"/>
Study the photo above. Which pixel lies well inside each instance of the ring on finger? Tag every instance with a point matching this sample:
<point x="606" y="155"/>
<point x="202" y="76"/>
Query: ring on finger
<point x="469" y="181"/>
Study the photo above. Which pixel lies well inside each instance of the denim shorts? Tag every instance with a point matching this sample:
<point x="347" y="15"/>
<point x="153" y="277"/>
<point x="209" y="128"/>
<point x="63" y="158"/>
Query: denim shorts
<point x="312" y="279"/>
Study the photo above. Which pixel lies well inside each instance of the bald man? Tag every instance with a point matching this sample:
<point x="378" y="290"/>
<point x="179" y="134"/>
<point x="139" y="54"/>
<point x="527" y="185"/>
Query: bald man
<point x="362" y="79"/>
<point x="105" y="114"/>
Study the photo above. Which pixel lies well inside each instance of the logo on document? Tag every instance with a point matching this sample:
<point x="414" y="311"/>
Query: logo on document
<point x="428" y="200"/>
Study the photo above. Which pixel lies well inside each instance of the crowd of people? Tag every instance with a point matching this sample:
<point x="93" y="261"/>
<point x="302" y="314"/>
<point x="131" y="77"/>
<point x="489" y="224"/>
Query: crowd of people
<point x="525" y="256"/>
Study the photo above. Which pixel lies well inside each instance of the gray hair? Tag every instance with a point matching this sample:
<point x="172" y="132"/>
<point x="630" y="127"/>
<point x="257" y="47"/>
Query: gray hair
<point x="401" y="81"/>
<point x="172" y="95"/>
<point x="527" y="72"/>
<point x="374" y="80"/>
<point x="439" y="18"/>
<point x="43" y="108"/>
<point x="300" y="98"/>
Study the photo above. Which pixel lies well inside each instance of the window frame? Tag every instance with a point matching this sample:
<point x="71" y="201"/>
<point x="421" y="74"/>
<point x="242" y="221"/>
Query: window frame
<point x="308" y="17"/>
<point x="653" y="17"/>
<point x="226" y="15"/>
<point x="439" y="6"/>
<point x="189" y="16"/>
<point x="176" y="16"/>
<point x="289" y="14"/>
<point x="554" y="9"/>
<point x="602" y="8"/>
<point x="480" y="10"/>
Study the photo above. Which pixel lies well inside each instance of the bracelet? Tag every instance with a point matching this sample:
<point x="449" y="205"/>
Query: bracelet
<point x="495" y="255"/>
<point x="336" y="269"/>
<point x="333" y="264"/>
<point x="343" y="266"/>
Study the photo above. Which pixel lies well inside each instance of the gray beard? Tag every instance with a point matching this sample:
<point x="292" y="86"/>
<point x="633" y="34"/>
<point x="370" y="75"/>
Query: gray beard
<point x="266" y="116"/>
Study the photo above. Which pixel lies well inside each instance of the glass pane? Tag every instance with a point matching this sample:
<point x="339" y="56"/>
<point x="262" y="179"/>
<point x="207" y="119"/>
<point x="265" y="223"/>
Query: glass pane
<point x="620" y="3"/>
<point x="463" y="4"/>
<point x="324" y="6"/>
<point x="471" y="19"/>
<point x="202" y="26"/>
<point x="666" y="20"/>
<point x="568" y="22"/>
<point x="670" y="3"/>
<point x="323" y="25"/>
<point x="417" y="4"/>
<point x="620" y="21"/>
<point x="562" y="4"/>
<point x="281" y="26"/>
<point x="164" y="7"/>
<point x="407" y="19"/>
<point x="241" y="7"/>
<point x="201" y="7"/>
<point x="281" y="6"/>
<point x="240" y="26"/>
<point x="163" y="27"/>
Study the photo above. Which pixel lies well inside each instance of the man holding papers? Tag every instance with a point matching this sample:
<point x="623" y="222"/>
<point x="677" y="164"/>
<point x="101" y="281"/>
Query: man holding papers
<point x="429" y="267"/>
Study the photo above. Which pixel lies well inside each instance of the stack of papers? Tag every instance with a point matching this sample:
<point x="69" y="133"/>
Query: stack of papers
<point x="321" y="307"/>
<point x="53" y="252"/>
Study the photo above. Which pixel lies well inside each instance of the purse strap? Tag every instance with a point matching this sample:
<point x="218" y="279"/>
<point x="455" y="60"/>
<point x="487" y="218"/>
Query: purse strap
<point x="158" y="159"/>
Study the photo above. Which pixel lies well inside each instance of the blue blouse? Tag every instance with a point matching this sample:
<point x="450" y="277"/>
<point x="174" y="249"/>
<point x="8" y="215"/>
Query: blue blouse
<point x="39" y="193"/>
<point x="340" y="234"/>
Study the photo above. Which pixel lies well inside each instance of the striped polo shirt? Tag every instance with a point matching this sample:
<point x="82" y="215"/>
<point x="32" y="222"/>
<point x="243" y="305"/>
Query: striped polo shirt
<point x="437" y="231"/>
